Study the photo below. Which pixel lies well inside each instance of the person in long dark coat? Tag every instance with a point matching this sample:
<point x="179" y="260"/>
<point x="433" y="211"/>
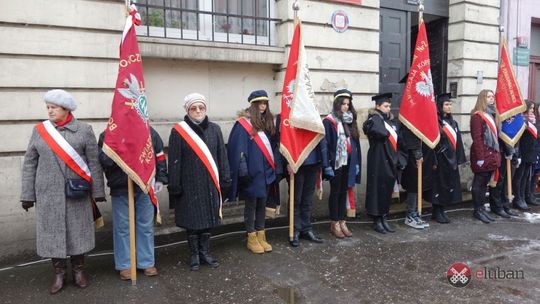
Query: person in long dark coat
<point x="527" y="155"/>
<point x="64" y="226"/>
<point x="450" y="154"/>
<point x="383" y="161"/>
<point x="344" y="159"/>
<point x="251" y="172"/>
<point x="192" y="192"/>
<point x="485" y="150"/>
<point x="418" y="152"/>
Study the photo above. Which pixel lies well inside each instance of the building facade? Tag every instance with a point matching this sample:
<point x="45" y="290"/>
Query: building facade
<point x="224" y="49"/>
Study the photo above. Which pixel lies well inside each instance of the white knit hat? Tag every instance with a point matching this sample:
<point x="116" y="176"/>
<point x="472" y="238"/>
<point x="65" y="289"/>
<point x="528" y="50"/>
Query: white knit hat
<point x="193" y="98"/>
<point x="60" y="98"/>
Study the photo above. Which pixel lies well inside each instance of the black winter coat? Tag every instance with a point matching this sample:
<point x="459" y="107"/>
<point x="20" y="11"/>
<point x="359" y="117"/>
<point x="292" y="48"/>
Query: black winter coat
<point x="117" y="179"/>
<point x="192" y="192"/>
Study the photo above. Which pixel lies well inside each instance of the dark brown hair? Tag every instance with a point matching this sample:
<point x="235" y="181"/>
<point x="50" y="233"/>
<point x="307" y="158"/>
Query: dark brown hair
<point x="261" y="121"/>
<point x="352" y="129"/>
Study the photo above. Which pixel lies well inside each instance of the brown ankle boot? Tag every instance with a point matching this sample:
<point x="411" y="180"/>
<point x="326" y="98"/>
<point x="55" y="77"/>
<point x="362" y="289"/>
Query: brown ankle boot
<point x="335" y="229"/>
<point x="344" y="229"/>
<point x="59" y="280"/>
<point x="77" y="269"/>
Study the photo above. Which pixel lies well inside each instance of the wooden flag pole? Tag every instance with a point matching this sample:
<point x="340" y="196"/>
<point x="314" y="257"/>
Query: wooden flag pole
<point x="132" y="250"/>
<point x="419" y="188"/>
<point x="291" y="206"/>
<point x="509" y="179"/>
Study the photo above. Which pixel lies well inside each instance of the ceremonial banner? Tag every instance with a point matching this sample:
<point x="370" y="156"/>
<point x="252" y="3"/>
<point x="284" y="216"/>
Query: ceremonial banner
<point x="508" y="96"/>
<point x="301" y="126"/>
<point x="512" y="129"/>
<point x="127" y="136"/>
<point x="418" y="110"/>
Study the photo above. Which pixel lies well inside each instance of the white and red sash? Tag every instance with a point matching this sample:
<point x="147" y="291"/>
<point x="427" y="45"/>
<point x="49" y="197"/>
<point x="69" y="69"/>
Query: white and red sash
<point x="261" y="140"/>
<point x="350" y="202"/>
<point x="393" y="137"/>
<point x="337" y="128"/>
<point x="532" y="128"/>
<point x="63" y="150"/>
<point x="450" y="133"/>
<point x="201" y="150"/>
<point x="489" y="122"/>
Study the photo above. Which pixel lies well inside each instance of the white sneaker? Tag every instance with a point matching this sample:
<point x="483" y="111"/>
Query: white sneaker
<point x="412" y="222"/>
<point x="421" y="221"/>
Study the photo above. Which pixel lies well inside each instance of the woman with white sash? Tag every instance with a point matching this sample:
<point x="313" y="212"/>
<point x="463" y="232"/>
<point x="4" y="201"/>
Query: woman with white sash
<point x="251" y="157"/>
<point x="62" y="148"/>
<point x="485" y="150"/>
<point x="198" y="178"/>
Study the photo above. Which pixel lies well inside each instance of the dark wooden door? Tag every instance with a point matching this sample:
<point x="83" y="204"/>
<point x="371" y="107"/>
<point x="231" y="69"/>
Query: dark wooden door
<point x="393" y="52"/>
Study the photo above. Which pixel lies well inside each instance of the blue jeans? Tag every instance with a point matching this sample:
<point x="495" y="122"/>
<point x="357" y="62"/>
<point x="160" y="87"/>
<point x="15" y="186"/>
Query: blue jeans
<point x="144" y="231"/>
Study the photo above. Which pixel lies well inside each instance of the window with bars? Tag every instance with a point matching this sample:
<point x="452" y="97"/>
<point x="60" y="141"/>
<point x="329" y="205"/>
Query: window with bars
<point x="233" y="21"/>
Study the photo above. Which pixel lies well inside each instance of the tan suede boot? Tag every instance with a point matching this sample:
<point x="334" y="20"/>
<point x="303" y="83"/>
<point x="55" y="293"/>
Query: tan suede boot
<point x="345" y="229"/>
<point x="335" y="229"/>
<point x="261" y="237"/>
<point x="253" y="243"/>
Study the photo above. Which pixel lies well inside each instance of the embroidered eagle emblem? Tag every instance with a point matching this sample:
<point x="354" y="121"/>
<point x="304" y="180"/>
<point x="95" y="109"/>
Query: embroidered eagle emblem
<point x="135" y="93"/>
<point x="425" y="87"/>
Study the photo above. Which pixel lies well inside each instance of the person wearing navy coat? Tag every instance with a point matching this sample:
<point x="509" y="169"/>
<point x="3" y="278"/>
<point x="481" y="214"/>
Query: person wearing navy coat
<point x="252" y="165"/>
<point x="344" y="159"/>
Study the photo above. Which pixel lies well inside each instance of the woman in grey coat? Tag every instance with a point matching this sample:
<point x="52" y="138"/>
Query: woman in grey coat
<point x="64" y="226"/>
<point x="192" y="191"/>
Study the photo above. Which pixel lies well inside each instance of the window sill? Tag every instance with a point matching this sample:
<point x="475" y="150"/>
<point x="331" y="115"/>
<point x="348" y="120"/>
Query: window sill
<point x="164" y="48"/>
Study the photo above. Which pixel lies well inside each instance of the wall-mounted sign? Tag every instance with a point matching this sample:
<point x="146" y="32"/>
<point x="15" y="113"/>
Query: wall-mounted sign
<point x="521" y="56"/>
<point x="357" y="2"/>
<point x="340" y="21"/>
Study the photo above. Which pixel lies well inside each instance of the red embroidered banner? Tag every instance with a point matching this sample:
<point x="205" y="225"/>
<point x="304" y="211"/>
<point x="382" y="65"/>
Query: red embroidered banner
<point x="508" y="96"/>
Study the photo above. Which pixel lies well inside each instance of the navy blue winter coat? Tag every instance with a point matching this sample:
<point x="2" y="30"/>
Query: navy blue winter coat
<point x="261" y="174"/>
<point x="355" y="157"/>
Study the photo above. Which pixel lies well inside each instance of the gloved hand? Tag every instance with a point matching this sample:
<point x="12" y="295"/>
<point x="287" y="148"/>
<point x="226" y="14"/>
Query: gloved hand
<point x="480" y="163"/>
<point x="509" y="157"/>
<point x="357" y="169"/>
<point x="518" y="162"/>
<point x="328" y="173"/>
<point x="27" y="205"/>
<point x="158" y="186"/>
<point x="100" y="199"/>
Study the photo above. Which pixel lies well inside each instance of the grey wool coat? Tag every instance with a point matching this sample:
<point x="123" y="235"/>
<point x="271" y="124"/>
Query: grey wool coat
<point x="63" y="226"/>
<point x="191" y="190"/>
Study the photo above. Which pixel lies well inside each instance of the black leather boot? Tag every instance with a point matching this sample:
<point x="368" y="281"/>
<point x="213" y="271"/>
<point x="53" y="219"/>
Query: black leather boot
<point x="520" y="204"/>
<point x="477" y="213"/>
<point x="378" y="226"/>
<point x="59" y="280"/>
<point x="443" y="214"/>
<point x="436" y="214"/>
<point x="193" y="242"/>
<point x="491" y="219"/>
<point x="204" y="251"/>
<point x="77" y="269"/>
<point x="386" y="225"/>
<point x="509" y="211"/>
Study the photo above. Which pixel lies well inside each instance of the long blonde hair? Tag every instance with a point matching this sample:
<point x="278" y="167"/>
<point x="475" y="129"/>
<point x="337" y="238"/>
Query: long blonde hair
<point x="481" y="104"/>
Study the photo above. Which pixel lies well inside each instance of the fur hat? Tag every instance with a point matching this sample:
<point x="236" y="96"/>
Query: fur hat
<point x="60" y="98"/>
<point x="193" y="98"/>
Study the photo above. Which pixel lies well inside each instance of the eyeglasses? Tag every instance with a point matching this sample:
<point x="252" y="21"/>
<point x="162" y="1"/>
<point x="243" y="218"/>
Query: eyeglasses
<point x="195" y="108"/>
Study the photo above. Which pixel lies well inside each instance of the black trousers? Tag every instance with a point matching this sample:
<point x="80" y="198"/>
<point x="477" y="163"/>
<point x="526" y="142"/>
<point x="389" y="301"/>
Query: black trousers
<point x="522" y="181"/>
<point x="254" y="213"/>
<point x="197" y="232"/>
<point x="337" y="202"/>
<point x="479" y="188"/>
<point x="305" y="181"/>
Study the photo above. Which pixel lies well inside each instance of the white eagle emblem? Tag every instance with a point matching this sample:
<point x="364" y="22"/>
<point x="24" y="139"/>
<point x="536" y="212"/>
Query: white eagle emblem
<point x="290" y="91"/>
<point x="425" y="87"/>
<point x="135" y="93"/>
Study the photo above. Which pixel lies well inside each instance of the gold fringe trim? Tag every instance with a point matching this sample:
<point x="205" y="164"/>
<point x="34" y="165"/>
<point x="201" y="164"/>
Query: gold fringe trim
<point x="309" y="147"/>
<point x="429" y="143"/>
<point x="512" y="142"/>
<point x="271" y="212"/>
<point x="351" y="212"/>
<point x="134" y="176"/>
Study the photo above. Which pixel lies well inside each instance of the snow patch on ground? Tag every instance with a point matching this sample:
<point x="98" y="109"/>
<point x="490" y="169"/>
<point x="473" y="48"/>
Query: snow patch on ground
<point x="531" y="217"/>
